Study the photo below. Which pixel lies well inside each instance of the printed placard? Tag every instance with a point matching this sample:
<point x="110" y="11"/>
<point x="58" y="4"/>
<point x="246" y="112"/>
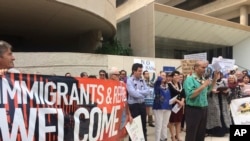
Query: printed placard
<point x="147" y="64"/>
<point x="57" y="108"/>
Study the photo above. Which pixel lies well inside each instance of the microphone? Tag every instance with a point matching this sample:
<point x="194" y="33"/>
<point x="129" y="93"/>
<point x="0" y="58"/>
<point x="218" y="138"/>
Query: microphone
<point x="206" y="76"/>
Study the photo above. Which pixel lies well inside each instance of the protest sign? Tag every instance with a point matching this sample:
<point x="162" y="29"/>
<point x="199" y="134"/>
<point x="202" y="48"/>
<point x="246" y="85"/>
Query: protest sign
<point x="187" y="66"/>
<point x="147" y="65"/>
<point x="56" y="108"/>
<point x="223" y="64"/>
<point x="196" y="56"/>
<point x="135" y="129"/>
<point x="240" y="109"/>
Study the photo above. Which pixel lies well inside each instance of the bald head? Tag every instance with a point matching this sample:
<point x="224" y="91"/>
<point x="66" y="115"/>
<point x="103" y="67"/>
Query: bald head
<point x="199" y="63"/>
<point x="200" y="67"/>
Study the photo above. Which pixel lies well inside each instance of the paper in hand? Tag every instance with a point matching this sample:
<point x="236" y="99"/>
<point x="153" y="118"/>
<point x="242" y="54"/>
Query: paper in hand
<point x="176" y="108"/>
<point x="172" y="100"/>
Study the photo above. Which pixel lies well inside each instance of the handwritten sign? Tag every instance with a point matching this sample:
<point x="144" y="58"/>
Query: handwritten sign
<point x="187" y="66"/>
<point x="135" y="129"/>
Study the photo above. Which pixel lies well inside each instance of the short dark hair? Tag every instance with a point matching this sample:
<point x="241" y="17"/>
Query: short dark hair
<point x="123" y="71"/>
<point x="67" y="73"/>
<point x="4" y="46"/>
<point x="248" y="76"/>
<point x="175" y="72"/>
<point x="135" y="66"/>
<point x="143" y="73"/>
<point x="92" y="76"/>
<point x="245" y="71"/>
<point x="102" y="71"/>
<point x="221" y="74"/>
<point x="232" y="72"/>
<point x="82" y="74"/>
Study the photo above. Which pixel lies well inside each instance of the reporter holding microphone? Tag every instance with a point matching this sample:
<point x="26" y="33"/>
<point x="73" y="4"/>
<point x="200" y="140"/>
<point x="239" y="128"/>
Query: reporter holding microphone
<point x="196" y="88"/>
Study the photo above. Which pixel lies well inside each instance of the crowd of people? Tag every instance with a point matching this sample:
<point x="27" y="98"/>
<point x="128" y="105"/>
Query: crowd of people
<point x="199" y="102"/>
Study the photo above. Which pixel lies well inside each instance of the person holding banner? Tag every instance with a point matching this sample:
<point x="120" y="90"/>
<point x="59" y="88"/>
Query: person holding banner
<point x="137" y="91"/>
<point x="103" y="74"/>
<point x="84" y="75"/>
<point x="196" y="88"/>
<point x="68" y="74"/>
<point x="6" y="58"/>
<point x="126" y="115"/>
<point x="123" y="76"/>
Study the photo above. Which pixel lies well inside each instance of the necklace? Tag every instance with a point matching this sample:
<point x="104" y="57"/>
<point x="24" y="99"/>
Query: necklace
<point x="164" y="86"/>
<point x="200" y="80"/>
<point x="177" y="88"/>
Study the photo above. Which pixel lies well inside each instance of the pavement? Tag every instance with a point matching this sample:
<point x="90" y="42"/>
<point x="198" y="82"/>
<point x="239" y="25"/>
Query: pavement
<point x="151" y="136"/>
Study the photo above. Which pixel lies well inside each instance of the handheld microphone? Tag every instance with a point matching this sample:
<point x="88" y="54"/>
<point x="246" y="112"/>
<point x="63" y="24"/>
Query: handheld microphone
<point x="206" y="76"/>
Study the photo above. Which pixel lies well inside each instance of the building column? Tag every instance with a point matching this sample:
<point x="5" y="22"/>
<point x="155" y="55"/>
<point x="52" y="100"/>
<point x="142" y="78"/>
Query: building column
<point x="142" y="31"/>
<point x="243" y="15"/>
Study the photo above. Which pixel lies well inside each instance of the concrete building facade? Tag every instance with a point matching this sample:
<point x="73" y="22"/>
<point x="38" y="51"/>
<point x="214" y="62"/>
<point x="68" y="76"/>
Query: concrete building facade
<point x="57" y="25"/>
<point x="173" y="28"/>
<point x="152" y="28"/>
<point x="50" y="63"/>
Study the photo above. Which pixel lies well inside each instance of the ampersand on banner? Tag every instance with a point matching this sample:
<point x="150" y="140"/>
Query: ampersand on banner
<point x="108" y="98"/>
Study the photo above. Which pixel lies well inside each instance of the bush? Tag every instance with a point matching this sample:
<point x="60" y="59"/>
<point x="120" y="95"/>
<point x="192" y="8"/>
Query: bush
<point x="114" y="47"/>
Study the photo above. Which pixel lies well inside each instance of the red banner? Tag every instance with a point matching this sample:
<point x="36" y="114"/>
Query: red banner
<point x="56" y="108"/>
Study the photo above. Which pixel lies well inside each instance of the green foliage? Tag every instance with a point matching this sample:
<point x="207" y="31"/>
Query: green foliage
<point x="114" y="47"/>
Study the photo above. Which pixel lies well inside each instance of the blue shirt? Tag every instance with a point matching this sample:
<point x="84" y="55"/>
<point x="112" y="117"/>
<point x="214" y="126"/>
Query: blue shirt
<point x="162" y="96"/>
<point x="137" y="90"/>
